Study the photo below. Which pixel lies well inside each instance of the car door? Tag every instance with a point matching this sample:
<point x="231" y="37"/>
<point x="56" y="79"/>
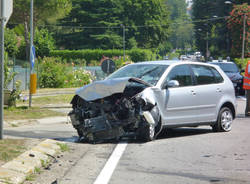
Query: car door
<point x="208" y="91"/>
<point x="180" y="107"/>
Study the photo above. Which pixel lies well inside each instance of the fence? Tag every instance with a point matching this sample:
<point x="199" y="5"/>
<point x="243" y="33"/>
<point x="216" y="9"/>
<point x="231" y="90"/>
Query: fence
<point x="23" y="74"/>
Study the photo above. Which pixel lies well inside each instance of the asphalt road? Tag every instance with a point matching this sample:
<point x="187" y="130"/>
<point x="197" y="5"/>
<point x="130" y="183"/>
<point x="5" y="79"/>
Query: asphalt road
<point x="180" y="156"/>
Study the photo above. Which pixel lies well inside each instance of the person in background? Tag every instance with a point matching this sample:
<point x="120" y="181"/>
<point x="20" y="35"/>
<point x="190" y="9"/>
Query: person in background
<point x="246" y="86"/>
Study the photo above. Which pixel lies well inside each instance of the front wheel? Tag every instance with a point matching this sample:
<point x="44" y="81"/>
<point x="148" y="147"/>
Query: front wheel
<point x="147" y="132"/>
<point x="224" y="120"/>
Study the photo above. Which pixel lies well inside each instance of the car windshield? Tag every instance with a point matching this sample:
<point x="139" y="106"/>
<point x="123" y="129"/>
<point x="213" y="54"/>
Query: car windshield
<point x="228" y="67"/>
<point x="149" y="73"/>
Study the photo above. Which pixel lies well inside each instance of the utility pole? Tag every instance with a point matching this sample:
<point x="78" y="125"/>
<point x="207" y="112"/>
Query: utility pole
<point x="123" y="29"/>
<point x="243" y="40"/>
<point x="6" y="8"/>
<point x="1" y="68"/>
<point x="207" y="51"/>
<point x="31" y="44"/>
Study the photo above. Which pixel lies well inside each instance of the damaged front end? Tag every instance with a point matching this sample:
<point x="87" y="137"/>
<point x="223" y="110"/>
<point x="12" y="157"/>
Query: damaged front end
<point x="111" y="109"/>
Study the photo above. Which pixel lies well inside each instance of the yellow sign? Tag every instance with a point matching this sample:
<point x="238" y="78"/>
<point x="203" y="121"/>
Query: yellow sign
<point x="33" y="80"/>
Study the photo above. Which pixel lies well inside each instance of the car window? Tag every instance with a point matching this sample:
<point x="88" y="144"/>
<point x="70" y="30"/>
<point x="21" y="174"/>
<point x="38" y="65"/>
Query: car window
<point x="182" y="74"/>
<point x="149" y="73"/>
<point x="218" y="77"/>
<point x="203" y="74"/>
<point x="228" y="67"/>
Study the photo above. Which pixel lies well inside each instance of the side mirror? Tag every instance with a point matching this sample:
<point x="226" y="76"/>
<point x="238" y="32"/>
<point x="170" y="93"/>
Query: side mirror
<point x="172" y="84"/>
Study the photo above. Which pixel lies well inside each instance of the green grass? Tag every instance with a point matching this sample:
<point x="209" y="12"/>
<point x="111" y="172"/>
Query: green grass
<point x="11" y="148"/>
<point x="23" y="112"/>
<point x="39" y="109"/>
<point x="46" y="100"/>
<point x="63" y="147"/>
<point x="30" y="177"/>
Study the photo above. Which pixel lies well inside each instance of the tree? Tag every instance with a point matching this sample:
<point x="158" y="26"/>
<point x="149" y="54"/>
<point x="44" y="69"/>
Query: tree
<point x="11" y="42"/>
<point x="211" y="26"/>
<point x="181" y="35"/>
<point x="235" y="25"/>
<point x="99" y="24"/>
<point x="43" y="11"/>
<point x="44" y="42"/>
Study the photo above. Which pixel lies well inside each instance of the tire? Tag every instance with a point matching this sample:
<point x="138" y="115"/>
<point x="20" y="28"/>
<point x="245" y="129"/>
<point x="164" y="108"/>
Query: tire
<point x="79" y="132"/>
<point x="224" y="120"/>
<point x="146" y="132"/>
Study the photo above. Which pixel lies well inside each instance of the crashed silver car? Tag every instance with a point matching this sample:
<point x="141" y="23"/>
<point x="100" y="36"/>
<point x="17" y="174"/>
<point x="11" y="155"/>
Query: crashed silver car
<point x="142" y="98"/>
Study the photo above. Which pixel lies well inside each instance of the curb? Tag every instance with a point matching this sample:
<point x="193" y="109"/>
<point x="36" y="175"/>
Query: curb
<point x="16" y="171"/>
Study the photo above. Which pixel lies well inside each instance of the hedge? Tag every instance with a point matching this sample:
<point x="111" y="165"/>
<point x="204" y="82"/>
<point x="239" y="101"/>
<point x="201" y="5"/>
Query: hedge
<point x="96" y="54"/>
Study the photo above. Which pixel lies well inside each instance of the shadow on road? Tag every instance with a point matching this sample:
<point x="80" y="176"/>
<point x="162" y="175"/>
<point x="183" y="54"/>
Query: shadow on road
<point x="165" y="134"/>
<point x="183" y="132"/>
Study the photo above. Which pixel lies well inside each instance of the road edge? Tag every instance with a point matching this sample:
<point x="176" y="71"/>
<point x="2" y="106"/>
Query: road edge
<point x="17" y="170"/>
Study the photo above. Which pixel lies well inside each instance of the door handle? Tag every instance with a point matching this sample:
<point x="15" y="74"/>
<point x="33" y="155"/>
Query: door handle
<point x="193" y="92"/>
<point x="218" y="90"/>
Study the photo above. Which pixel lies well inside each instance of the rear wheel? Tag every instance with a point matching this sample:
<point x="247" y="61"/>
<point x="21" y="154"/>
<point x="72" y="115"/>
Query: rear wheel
<point x="224" y="120"/>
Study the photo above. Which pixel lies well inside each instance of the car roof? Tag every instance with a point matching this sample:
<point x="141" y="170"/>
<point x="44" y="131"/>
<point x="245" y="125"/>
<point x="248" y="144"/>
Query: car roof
<point x="223" y="61"/>
<point x="171" y="62"/>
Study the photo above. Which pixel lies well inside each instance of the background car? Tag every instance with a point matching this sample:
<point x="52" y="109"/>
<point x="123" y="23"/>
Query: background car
<point x="233" y="72"/>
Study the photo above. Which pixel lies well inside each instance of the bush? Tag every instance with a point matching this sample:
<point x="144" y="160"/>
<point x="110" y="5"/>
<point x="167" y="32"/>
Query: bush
<point x="43" y="42"/>
<point x="78" y="78"/>
<point x="242" y="63"/>
<point x="8" y="74"/>
<point x="97" y="54"/>
<point x="137" y="55"/>
<point x="51" y="73"/>
<point x="10" y="42"/>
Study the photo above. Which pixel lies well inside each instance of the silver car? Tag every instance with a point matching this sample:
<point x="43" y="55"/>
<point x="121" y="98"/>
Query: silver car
<point x="143" y="98"/>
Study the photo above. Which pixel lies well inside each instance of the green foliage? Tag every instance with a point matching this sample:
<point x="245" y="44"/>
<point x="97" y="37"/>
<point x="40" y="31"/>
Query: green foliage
<point x="173" y="55"/>
<point x="15" y="94"/>
<point x="43" y="10"/>
<point x="212" y="30"/>
<point x="63" y="147"/>
<point x="242" y="63"/>
<point x="51" y="73"/>
<point x="8" y="74"/>
<point x="10" y="42"/>
<point x="97" y="54"/>
<point x="43" y="42"/>
<point x="235" y="24"/>
<point x="181" y="32"/>
<point x="98" y="24"/>
<point x="137" y="55"/>
<point x="78" y="78"/>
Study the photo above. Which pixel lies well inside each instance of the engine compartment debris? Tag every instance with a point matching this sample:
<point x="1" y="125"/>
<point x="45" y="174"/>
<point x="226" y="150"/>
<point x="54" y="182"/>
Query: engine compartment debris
<point x="112" y="109"/>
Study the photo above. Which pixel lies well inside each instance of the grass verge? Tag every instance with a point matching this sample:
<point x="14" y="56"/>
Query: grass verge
<point x="64" y="147"/>
<point x="11" y="148"/>
<point x="47" y="100"/>
<point x="24" y="112"/>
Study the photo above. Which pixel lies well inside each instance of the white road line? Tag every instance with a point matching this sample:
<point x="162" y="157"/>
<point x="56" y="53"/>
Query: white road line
<point x="107" y="171"/>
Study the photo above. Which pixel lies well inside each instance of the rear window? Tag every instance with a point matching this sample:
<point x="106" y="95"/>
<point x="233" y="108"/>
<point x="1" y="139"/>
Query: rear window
<point x="203" y="74"/>
<point x="218" y="77"/>
<point x="228" y="67"/>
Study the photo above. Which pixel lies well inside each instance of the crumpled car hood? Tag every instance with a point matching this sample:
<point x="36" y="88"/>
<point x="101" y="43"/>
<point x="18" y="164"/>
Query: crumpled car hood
<point x="104" y="88"/>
